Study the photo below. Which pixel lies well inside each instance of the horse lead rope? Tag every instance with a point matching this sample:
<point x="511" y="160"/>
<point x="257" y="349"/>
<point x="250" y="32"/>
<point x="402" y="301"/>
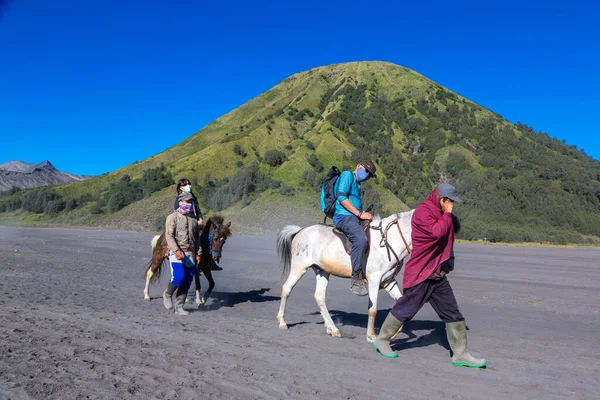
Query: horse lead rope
<point x="402" y="236"/>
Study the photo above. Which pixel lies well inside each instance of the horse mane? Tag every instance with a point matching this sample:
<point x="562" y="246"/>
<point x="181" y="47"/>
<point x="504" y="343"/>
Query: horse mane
<point x="218" y="219"/>
<point x="405" y="215"/>
<point x="400" y="216"/>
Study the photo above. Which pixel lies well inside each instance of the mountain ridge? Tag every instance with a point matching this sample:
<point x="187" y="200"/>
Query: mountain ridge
<point x="274" y="149"/>
<point x="21" y="175"/>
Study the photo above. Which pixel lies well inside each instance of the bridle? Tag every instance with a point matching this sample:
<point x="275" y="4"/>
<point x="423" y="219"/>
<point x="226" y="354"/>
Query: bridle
<point x="385" y="243"/>
<point x="210" y="241"/>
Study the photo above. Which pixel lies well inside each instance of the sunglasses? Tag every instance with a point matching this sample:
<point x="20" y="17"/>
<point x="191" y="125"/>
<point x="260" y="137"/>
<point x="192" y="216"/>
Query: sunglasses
<point x="366" y="170"/>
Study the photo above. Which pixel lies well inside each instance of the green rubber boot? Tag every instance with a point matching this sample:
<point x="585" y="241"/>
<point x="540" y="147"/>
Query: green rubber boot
<point x="390" y="328"/>
<point x="168" y="296"/>
<point x="457" y="337"/>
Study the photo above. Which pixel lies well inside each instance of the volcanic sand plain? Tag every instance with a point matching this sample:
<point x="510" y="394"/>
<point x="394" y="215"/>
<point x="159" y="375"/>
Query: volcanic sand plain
<point x="74" y="325"/>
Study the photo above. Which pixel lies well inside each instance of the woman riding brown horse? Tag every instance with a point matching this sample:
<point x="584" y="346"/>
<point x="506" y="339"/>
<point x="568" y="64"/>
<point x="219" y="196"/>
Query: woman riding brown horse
<point x="214" y="235"/>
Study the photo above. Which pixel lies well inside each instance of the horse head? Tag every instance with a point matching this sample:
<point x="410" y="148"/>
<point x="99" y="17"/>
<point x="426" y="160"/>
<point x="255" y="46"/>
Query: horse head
<point x="217" y="236"/>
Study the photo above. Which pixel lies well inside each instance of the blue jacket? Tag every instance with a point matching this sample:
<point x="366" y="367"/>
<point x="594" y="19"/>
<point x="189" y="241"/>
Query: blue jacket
<point x="346" y="187"/>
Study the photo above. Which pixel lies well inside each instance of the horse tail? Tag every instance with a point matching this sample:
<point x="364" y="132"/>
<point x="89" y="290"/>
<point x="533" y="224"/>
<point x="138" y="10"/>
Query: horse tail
<point x="158" y="244"/>
<point x="284" y="247"/>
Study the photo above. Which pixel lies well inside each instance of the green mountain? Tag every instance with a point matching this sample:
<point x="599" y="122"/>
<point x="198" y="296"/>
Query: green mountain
<point x="262" y="163"/>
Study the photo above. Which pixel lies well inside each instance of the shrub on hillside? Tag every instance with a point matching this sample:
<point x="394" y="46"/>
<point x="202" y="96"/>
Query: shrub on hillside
<point x="123" y="194"/>
<point x="274" y="157"/>
<point x="302" y="113"/>
<point x="71" y="204"/>
<point x="245" y="183"/>
<point x="154" y="179"/>
<point x="37" y="200"/>
<point x="10" y="204"/>
<point x="85" y="198"/>
<point x="315" y="163"/>
<point x="96" y="209"/>
<point x="127" y="191"/>
<point x="371" y="196"/>
<point x="237" y="149"/>
<point x="117" y="201"/>
<point x="456" y="163"/>
<point x="54" y="206"/>
<point x="287" y="190"/>
<point x="313" y="179"/>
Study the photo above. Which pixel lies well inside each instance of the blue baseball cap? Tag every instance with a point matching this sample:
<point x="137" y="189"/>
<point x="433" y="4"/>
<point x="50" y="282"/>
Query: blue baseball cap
<point x="449" y="191"/>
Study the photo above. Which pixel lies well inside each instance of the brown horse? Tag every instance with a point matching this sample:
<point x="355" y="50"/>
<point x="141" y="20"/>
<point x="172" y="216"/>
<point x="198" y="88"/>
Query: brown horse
<point x="214" y="235"/>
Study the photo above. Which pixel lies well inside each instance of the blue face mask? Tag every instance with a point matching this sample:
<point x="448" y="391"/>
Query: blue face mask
<point x="361" y="174"/>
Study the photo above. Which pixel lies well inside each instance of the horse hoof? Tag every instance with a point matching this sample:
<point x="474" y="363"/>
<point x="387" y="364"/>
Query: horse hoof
<point x="146" y="297"/>
<point x="283" y="327"/>
<point x="371" y="339"/>
<point x="334" y="332"/>
<point x="200" y="301"/>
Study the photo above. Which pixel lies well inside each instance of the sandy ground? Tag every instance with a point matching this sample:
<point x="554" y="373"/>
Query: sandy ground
<point x="73" y="324"/>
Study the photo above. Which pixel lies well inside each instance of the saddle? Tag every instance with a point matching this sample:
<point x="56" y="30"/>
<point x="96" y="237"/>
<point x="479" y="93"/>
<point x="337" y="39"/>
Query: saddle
<point x="345" y="241"/>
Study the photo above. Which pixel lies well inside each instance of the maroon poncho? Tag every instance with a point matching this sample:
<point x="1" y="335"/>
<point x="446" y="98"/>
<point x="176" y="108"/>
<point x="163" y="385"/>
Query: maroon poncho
<point x="432" y="240"/>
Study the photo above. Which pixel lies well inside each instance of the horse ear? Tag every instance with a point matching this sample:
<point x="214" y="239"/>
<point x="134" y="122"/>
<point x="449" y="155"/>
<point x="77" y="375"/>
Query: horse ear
<point x="228" y="225"/>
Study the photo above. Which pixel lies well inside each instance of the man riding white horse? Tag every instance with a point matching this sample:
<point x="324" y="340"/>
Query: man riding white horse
<point x="347" y="217"/>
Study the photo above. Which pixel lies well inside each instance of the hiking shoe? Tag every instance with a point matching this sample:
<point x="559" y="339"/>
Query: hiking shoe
<point x="359" y="287"/>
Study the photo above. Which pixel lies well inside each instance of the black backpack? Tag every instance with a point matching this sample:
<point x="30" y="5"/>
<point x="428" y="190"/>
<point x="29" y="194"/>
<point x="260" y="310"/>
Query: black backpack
<point x="328" y="197"/>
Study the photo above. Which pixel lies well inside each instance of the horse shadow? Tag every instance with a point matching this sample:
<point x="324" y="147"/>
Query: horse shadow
<point x="436" y="335"/>
<point x="218" y="300"/>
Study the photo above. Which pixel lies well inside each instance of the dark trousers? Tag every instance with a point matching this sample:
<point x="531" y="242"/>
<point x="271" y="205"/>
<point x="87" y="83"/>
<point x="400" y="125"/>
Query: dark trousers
<point x="350" y="225"/>
<point x="438" y="293"/>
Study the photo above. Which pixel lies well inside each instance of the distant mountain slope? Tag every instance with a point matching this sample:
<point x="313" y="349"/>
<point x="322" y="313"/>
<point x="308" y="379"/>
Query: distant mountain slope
<point x="22" y="175"/>
<point x="262" y="163"/>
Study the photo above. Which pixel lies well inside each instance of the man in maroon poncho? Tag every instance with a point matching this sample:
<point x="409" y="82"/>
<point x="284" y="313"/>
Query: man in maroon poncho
<point x="433" y="227"/>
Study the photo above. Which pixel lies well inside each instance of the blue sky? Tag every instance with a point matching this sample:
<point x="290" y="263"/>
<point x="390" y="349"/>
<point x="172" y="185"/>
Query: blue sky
<point x="95" y="85"/>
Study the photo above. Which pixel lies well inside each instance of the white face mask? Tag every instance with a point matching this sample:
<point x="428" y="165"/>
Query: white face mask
<point x="187" y="188"/>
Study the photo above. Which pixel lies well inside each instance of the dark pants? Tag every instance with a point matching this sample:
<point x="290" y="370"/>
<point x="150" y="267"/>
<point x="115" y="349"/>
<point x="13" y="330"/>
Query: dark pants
<point x="438" y="293"/>
<point x="350" y="225"/>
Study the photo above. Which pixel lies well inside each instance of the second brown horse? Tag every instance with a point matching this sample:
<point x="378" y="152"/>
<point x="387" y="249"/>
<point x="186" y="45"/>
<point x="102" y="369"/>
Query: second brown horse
<point x="214" y="235"/>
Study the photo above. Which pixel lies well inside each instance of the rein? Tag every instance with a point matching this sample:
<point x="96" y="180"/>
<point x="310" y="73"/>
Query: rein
<point x="210" y="240"/>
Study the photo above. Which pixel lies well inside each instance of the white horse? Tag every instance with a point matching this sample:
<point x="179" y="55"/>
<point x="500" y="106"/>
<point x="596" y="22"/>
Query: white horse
<point x="318" y="248"/>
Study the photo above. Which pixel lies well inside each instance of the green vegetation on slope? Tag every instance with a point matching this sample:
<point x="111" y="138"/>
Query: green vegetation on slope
<point x="272" y="152"/>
